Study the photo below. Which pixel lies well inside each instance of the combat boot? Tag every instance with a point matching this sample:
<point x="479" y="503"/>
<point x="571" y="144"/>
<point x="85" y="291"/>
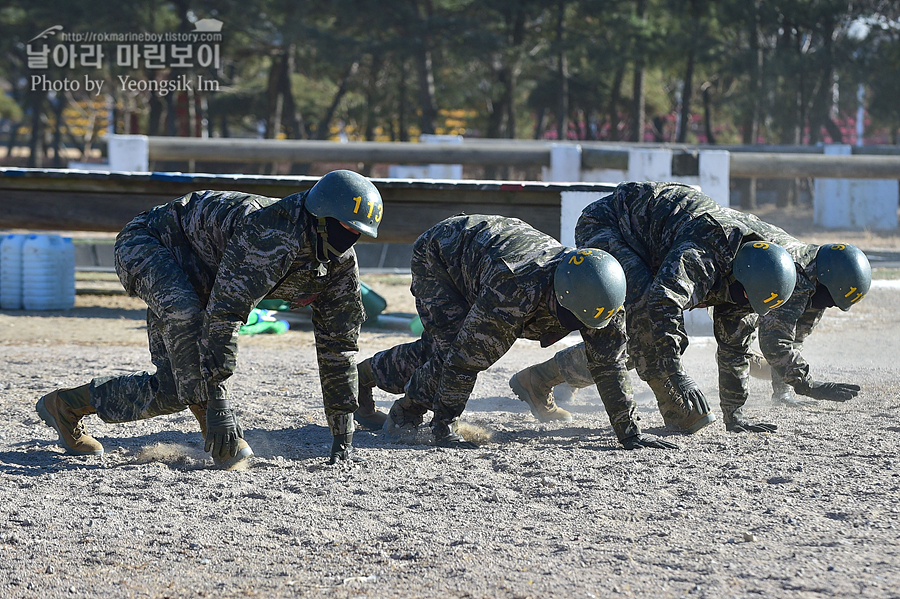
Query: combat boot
<point x="534" y="386"/>
<point x="759" y="367"/>
<point x="64" y="410"/>
<point x="783" y="394"/>
<point x="676" y="415"/>
<point x="243" y="449"/>
<point x="367" y="415"/>
<point x="403" y="418"/>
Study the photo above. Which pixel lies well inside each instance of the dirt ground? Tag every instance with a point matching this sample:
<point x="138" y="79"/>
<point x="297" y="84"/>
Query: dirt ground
<point x="539" y="510"/>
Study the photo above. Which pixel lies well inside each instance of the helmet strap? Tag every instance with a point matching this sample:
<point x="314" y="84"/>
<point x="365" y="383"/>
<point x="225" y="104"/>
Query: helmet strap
<point x="322" y="240"/>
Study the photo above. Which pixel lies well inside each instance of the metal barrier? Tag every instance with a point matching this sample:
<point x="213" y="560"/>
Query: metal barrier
<point x="61" y="199"/>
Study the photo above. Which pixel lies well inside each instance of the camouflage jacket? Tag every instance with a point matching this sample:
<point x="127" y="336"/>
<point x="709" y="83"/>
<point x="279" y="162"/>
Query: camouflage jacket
<point x="238" y="249"/>
<point x="782" y="331"/>
<point x="676" y="245"/>
<point x="503" y="269"/>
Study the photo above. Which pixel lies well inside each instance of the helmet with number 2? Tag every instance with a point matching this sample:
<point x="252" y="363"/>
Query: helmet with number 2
<point x="767" y="273"/>
<point x="590" y="283"/>
<point x="348" y="197"/>
<point x="846" y="273"/>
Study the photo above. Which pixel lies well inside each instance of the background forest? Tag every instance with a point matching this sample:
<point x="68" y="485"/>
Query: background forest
<point x="691" y="71"/>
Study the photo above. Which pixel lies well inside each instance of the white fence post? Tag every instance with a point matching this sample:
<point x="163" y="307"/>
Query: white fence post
<point x="565" y="163"/>
<point x="129" y="153"/>
<point x="715" y="172"/>
<point x="854" y="203"/>
<point x="654" y="164"/>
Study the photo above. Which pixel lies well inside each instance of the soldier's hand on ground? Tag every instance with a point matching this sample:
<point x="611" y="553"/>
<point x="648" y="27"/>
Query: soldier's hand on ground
<point x="342" y="450"/>
<point x="745" y="426"/>
<point x="222" y="430"/>
<point x="445" y="436"/>
<point x="640" y="441"/>
<point x="828" y="391"/>
<point x="688" y="389"/>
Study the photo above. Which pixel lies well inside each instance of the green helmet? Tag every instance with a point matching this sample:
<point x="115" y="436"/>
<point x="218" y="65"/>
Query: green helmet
<point x="591" y="284"/>
<point x="767" y="273"/>
<point x="348" y="197"/>
<point x="845" y="272"/>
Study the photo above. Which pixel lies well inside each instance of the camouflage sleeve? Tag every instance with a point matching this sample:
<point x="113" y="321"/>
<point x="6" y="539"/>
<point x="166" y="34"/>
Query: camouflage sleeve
<point x="337" y="316"/>
<point x="606" y="356"/>
<point x="640" y="278"/>
<point x="683" y="280"/>
<point x="256" y="257"/>
<point x="735" y="329"/>
<point x="780" y="341"/>
<point x="806" y="324"/>
<point x="485" y="336"/>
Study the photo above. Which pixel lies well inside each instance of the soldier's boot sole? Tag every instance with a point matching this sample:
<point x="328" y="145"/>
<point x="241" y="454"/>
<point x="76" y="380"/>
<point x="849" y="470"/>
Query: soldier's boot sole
<point x="688" y="426"/>
<point x="759" y="367"/>
<point x="52" y="411"/>
<point x="789" y="400"/>
<point x="244" y="451"/>
<point x="547" y="411"/>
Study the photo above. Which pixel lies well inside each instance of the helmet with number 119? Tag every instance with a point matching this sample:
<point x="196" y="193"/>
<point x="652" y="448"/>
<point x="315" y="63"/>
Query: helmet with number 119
<point x="349" y="198"/>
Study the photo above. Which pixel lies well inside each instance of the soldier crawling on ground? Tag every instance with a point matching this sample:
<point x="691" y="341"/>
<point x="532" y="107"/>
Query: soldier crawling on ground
<point x="676" y="246"/>
<point x="202" y="263"/>
<point x="480" y="283"/>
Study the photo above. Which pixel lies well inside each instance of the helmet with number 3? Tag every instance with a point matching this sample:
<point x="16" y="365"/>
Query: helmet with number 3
<point x="767" y="273"/>
<point x="590" y="283"/>
<point x="846" y="273"/>
<point x="348" y="197"/>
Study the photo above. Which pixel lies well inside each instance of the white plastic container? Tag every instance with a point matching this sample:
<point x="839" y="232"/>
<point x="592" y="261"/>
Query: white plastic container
<point x="67" y="278"/>
<point x="48" y="273"/>
<point x="11" y="271"/>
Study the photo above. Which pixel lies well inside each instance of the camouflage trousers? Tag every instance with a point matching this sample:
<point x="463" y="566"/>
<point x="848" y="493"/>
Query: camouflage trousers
<point x="416" y="368"/>
<point x="393" y="368"/>
<point x="147" y="269"/>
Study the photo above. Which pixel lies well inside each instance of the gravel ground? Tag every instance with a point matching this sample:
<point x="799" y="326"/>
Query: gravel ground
<point x="539" y="510"/>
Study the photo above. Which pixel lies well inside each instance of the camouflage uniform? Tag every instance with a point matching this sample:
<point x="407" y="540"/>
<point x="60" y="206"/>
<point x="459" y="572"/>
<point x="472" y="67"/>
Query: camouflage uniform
<point x="676" y="245"/>
<point x="782" y="331"/>
<point x="480" y="283"/>
<point x="202" y="263"/>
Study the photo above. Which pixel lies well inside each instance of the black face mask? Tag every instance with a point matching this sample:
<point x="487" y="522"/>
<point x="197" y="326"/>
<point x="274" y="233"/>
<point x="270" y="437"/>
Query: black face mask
<point x="568" y="320"/>
<point x="738" y="294"/>
<point x="334" y="239"/>
<point x="822" y="299"/>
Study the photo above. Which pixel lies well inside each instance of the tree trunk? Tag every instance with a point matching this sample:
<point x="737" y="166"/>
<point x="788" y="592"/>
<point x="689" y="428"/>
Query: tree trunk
<point x="539" y="122"/>
<point x="562" y="107"/>
<point x="323" y="129"/>
<point x="751" y="114"/>
<point x="688" y="91"/>
<point x="638" y="118"/>
<point x="155" y="117"/>
<point x="402" y="106"/>
<point x="426" y="91"/>
<point x="707" y="115"/>
<point x="272" y="100"/>
<point x="293" y="123"/>
<point x="57" y="129"/>
<point x="36" y="144"/>
<point x="821" y="103"/>
<point x="615" y="98"/>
